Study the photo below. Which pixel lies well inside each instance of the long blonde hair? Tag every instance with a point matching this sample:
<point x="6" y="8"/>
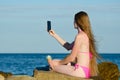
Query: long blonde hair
<point x="82" y="21"/>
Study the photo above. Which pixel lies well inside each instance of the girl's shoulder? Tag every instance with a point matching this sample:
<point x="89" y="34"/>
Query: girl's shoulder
<point x="82" y="35"/>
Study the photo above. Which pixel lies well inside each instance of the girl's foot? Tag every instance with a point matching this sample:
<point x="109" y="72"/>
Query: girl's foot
<point x="51" y="65"/>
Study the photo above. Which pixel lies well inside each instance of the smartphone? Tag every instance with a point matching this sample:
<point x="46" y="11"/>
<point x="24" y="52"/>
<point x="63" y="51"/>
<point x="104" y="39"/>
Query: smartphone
<point x="48" y="26"/>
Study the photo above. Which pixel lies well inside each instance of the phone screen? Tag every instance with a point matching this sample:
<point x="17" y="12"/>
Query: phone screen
<point x="48" y="25"/>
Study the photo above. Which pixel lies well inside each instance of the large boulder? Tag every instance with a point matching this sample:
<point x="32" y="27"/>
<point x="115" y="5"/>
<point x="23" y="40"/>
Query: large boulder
<point x="50" y="75"/>
<point x="108" y="71"/>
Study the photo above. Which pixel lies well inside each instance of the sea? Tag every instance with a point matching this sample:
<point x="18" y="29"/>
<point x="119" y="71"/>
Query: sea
<point x="25" y="63"/>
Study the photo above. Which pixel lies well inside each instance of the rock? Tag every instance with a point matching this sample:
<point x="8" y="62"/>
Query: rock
<point x="20" y="77"/>
<point x="50" y="75"/>
<point x="2" y="77"/>
<point x="108" y="71"/>
<point x="119" y="74"/>
<point x="5" y="74"/>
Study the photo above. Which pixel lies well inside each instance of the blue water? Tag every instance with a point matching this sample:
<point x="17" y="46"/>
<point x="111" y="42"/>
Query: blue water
<point x="25" y="63"/>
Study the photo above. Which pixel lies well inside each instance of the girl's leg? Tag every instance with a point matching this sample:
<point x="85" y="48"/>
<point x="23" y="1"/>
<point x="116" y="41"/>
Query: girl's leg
<point x="50" y="63"/>
<point x="69" y="70"/>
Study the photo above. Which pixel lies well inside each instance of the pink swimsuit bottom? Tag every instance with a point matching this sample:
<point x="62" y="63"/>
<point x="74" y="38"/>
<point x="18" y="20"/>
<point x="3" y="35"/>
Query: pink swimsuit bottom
<point x="85" y="69"/>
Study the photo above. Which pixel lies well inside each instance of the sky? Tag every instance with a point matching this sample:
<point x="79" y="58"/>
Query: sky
<point x="23" y="24"/>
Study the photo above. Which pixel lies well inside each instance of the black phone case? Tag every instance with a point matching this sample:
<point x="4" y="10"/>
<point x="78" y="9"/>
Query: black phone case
<point x="48" y="25"/>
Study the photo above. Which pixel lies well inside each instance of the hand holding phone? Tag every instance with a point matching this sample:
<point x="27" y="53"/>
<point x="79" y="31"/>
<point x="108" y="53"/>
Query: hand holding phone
<point x="48" y="26"/>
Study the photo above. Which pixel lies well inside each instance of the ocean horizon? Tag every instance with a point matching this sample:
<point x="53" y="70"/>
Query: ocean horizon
<point x="25" y="63"/>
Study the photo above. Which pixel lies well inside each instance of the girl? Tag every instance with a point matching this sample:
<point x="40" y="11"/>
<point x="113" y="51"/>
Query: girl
<point x="83" y="52"/>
